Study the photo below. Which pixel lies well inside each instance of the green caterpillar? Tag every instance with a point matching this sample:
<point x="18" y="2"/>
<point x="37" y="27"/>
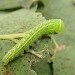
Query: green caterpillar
<point x="47" y="27"/>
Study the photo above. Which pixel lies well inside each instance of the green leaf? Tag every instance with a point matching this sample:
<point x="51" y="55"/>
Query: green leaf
<point x="18" y="21"/>
<point x="63" y="63"/>
<point x="2" y="13"/>
<point x="64" y="60"/>
<point x="42" y="68"/>
<point x="23" y="21"/>
<point x="15" y="4"/>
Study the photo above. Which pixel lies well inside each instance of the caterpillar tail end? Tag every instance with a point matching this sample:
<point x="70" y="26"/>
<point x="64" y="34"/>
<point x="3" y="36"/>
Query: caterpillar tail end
<point x="5" y="61"/>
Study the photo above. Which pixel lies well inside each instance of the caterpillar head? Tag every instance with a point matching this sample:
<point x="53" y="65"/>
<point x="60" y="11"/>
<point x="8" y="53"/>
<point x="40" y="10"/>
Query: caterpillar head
<point x="56" y="26"/>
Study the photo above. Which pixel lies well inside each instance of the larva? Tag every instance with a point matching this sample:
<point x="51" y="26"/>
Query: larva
<point x="47" y="27"/>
